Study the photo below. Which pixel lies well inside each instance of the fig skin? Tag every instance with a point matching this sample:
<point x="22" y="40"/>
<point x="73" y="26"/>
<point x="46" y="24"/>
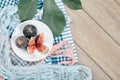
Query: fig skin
<point x="22" y="42"/>
<point x="30" y="31"/>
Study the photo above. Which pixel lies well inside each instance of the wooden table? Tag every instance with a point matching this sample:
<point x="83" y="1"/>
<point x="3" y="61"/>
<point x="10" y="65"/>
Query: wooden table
<point x="96" y="31"/>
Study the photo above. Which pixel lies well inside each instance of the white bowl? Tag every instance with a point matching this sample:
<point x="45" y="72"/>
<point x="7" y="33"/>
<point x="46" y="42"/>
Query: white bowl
<point x="41" y="27"/>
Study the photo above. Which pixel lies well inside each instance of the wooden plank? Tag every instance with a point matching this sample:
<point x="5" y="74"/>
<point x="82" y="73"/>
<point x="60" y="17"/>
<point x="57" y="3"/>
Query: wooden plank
<point x="107" y="14"/>
<point x="99" y="46"/>
<point x="85" y="60"/>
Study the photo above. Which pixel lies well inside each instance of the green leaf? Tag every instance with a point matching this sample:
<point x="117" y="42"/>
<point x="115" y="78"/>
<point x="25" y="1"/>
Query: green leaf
<point x="27" y="9"/>
<point x="53" y="17"/>
<point x="73" y="4"/>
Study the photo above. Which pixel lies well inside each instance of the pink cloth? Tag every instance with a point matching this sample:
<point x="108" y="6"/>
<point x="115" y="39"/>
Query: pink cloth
<point x="1" y="78"/>
<point x="56" y="51"/>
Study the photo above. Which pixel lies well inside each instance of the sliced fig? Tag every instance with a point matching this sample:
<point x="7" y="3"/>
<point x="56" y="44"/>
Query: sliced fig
<point x="42" y="48"/>
<point x="39" y="39"/>
<point x="30" y="49"/>
<point x="31" y="41"/>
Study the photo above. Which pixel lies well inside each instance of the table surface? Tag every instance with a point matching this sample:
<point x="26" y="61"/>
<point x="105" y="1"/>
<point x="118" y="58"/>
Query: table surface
<point x="96" y="31"/>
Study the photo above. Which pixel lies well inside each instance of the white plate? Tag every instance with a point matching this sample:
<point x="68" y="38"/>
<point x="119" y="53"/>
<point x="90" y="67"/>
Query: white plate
<point x="41" y="27"/>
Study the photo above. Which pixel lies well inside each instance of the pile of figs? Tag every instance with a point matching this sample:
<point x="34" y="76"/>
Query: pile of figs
<point x="31" y="41"/>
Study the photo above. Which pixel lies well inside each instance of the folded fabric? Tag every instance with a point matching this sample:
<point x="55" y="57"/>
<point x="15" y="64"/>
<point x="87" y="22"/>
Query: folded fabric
<point x="38" y="71"/>
<point x="11" y="66"/>
<point x="9" y="14"/>
<point x="48" y="72"/>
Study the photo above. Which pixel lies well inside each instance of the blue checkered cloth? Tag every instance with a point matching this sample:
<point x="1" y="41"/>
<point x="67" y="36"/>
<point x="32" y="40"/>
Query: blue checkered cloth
<point x="4" y="3"/>
<point x="66" y="35"/>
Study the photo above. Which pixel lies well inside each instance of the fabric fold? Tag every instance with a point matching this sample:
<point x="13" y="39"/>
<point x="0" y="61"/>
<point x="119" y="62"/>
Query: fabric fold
<point x="9" y="19"/>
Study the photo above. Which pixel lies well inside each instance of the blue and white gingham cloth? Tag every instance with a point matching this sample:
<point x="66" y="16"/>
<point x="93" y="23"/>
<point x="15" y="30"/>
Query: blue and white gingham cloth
<point x="66" y="34"/>
<point x="4" y="3"/>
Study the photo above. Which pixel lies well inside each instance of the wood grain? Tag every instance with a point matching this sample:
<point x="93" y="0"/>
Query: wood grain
<point x="97" y="44"/>
<point x="106" y="14"/>
<point x="85" y="60"/>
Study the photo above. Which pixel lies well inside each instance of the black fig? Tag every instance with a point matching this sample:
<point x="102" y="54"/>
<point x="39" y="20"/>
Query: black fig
<point x="22" y="42"/>
<point x="30" y="31"/>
